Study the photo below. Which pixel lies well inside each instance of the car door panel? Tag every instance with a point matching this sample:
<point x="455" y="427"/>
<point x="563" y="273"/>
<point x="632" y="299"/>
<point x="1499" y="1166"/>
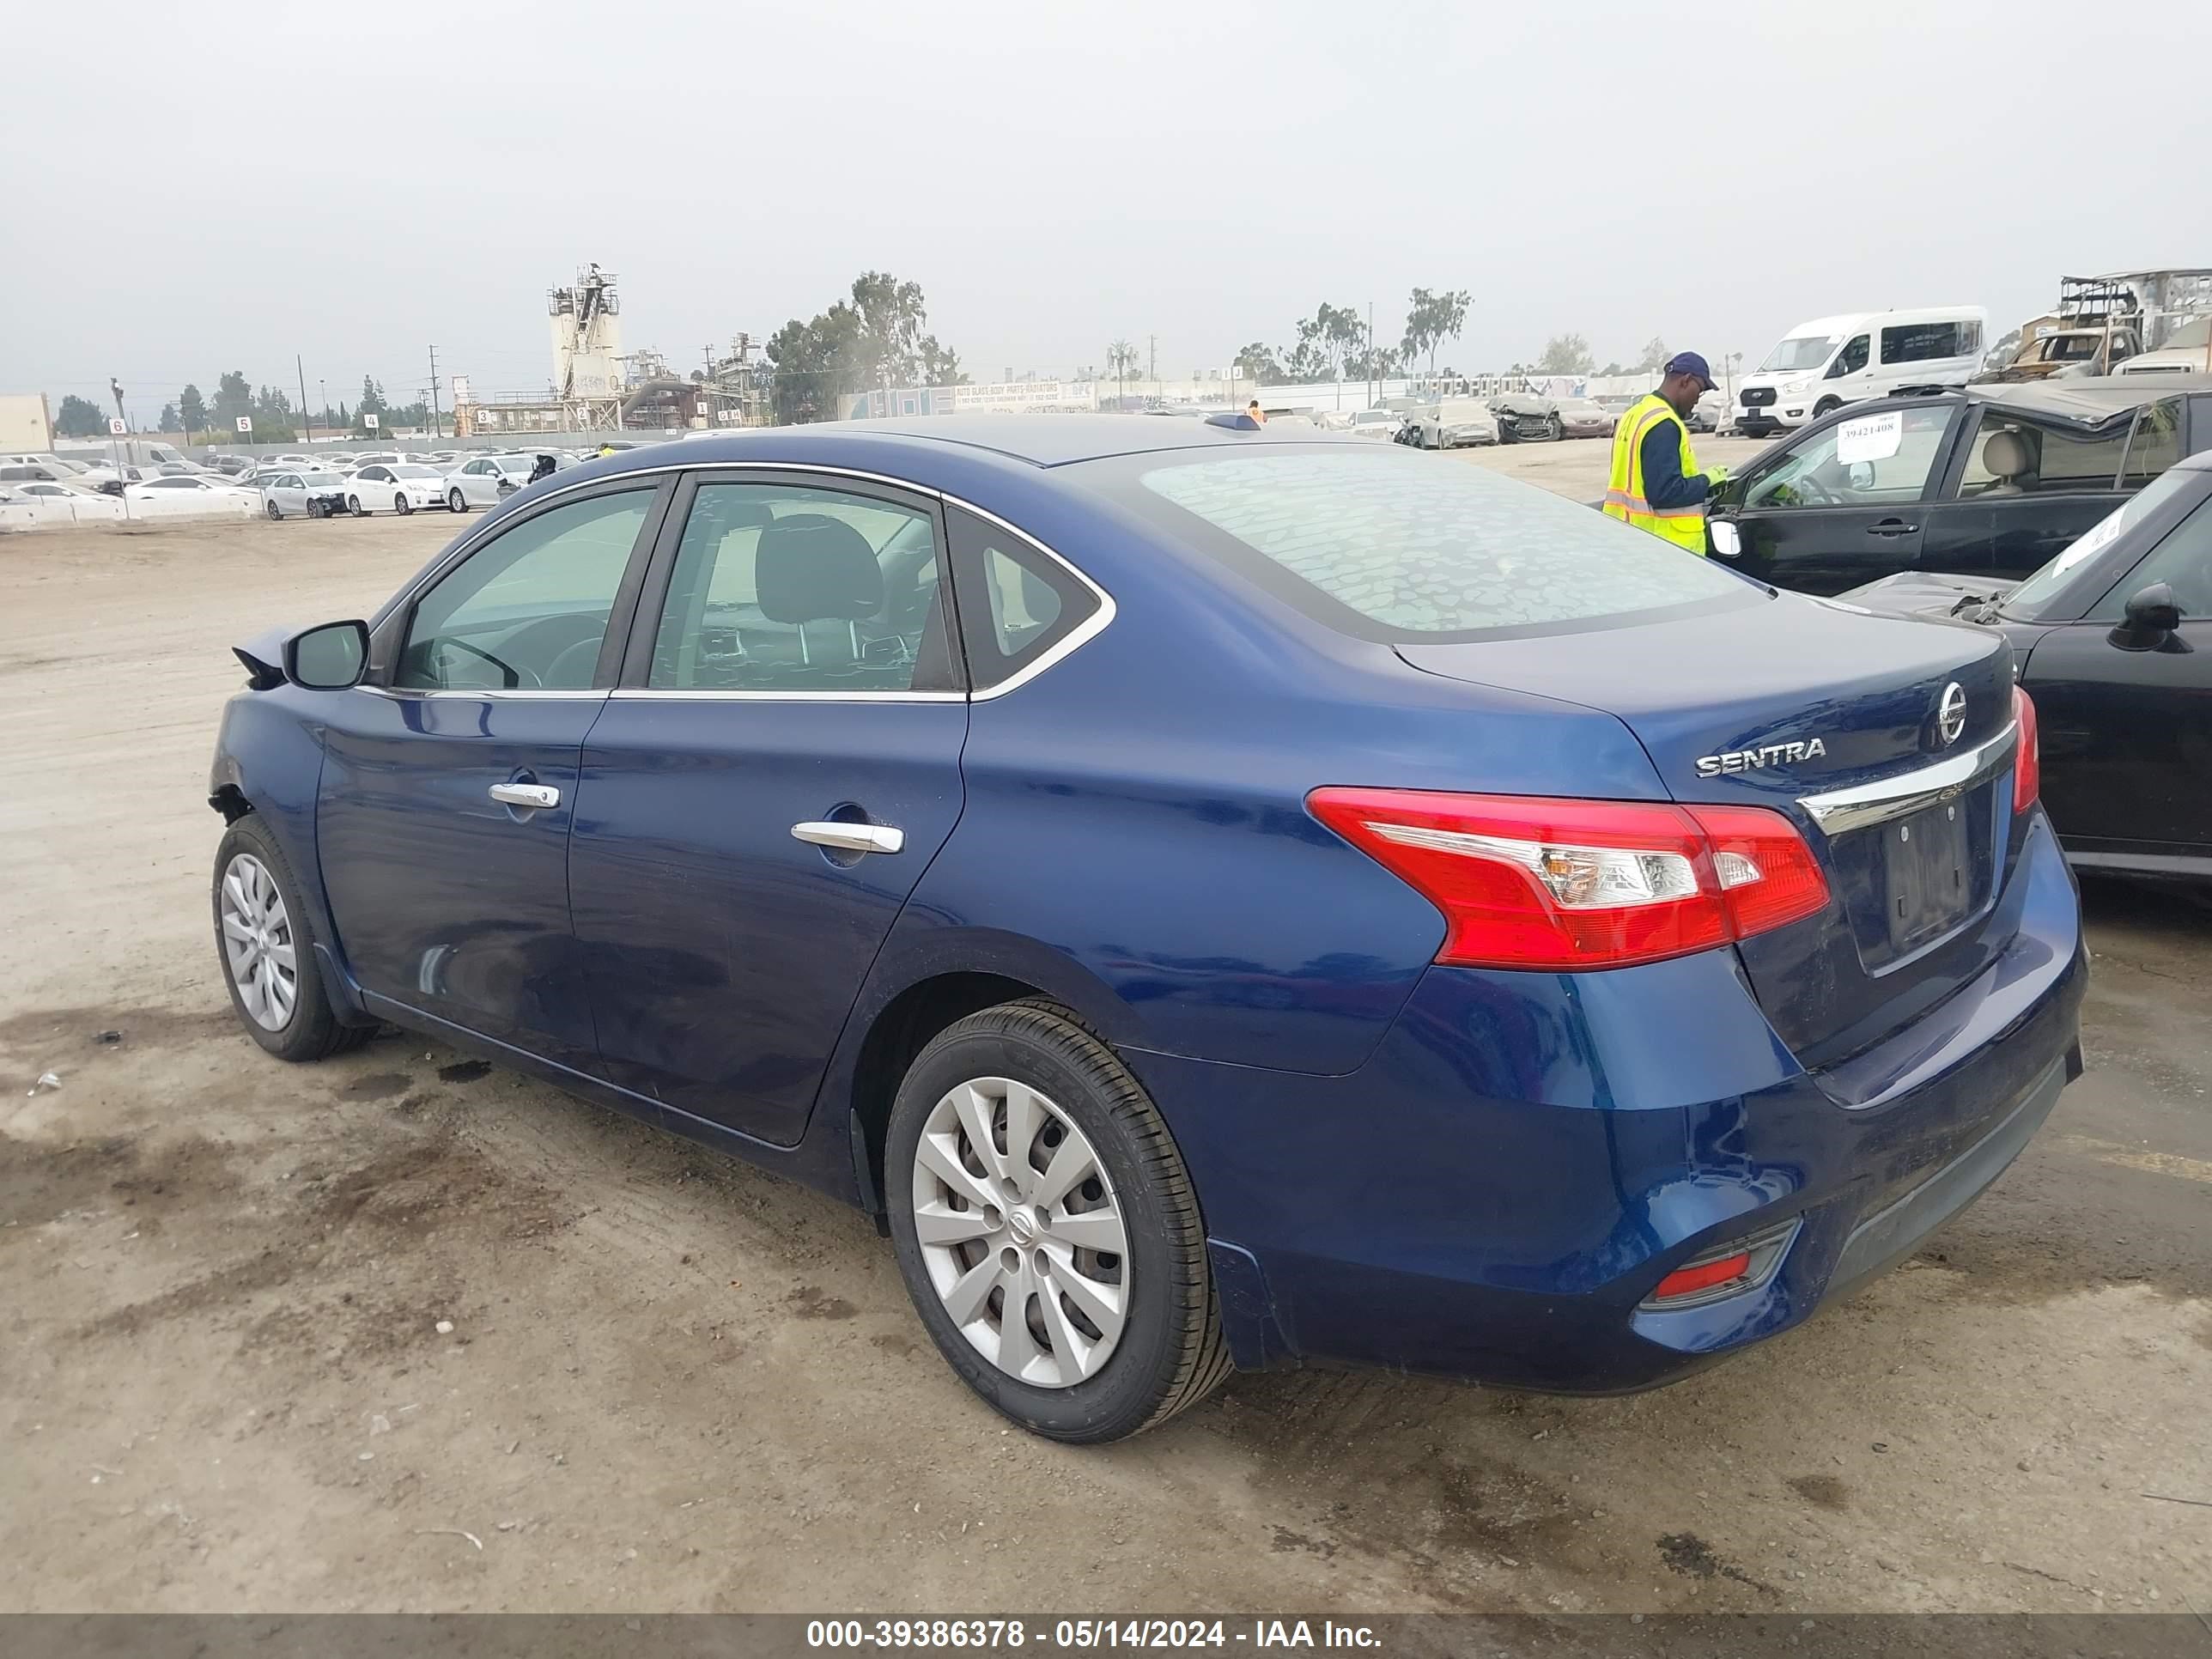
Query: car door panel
<point x="1813" y="519"/>
<point x="2127" y="737"/>
<point x="445" y="897"/>
<point x="724" y="952"/>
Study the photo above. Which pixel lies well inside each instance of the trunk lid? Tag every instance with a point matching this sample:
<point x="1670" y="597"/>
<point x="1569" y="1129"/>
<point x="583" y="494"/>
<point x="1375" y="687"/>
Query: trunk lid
<point x="1819" y="712"/>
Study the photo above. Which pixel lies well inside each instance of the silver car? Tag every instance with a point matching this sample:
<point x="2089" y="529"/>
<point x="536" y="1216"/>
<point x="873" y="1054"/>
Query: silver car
<point x="306" y="492"/>
<point x="487" y="481"/>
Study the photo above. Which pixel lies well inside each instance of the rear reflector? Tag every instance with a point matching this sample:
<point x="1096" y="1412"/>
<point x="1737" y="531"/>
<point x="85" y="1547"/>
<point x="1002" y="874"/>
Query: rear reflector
<point x="2027" y="763"/>
<point x="1688" y="1281"/>
<point x="1740" y="1265"/>
<point x="1525" y="882"/>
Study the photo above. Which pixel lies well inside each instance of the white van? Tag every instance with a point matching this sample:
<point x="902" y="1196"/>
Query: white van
<point x="1831" y="360"/>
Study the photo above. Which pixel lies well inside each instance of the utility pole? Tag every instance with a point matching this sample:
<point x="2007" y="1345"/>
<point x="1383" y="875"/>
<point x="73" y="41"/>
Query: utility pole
<point x="306" y="413"/>
<point x="1152" y="361"/>
<point x="437" y="424"/>
<point x="1372" y="371"/>
<point x="324" y="387"/>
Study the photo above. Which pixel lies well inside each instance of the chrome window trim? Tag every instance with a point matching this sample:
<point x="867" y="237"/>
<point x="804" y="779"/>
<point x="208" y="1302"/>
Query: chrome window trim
<point x="502" y="694"/>
<point x="679" y="694"/>
<point x="1077" y="637"/>
<point x="1839" y="810"/>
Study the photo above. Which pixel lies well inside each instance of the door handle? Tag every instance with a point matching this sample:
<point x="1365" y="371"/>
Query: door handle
<point x="851" y="837"/>
<point x="529" y="796"/>
<point x="1891" y="527"/>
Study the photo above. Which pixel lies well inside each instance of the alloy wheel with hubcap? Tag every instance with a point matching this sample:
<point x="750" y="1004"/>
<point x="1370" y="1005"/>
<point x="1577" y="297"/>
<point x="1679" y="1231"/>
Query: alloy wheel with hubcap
<point x="1021" y="1232"/>
<point x="453" y="501"/>
<point x="275" y="511"/>
<point x="401" y="504"/>
<point x="258" y="943"/>
<point x="1047" y="1228"/>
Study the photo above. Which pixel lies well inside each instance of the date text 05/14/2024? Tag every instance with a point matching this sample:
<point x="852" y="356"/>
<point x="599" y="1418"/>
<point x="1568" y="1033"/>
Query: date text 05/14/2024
<point x="1001" y="1633"/>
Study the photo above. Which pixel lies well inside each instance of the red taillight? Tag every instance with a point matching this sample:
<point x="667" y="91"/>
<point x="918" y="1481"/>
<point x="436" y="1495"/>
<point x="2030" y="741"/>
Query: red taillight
<point x="2027" y="764"/>
<point x="1703" y="1276"/>
<point x="1530" y="882"/>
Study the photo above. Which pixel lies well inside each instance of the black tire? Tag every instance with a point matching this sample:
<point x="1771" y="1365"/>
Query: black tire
<point x="401" y="505"/>
<point x="354" y="506"/>
<point x="1556" y="431"/>
<point x="455" y="502"/>
<point x="1827" y="406"/>
<point x="1171" y="1352"/>
<point x="314" y="1031"/>
<point x="273" y="510"/>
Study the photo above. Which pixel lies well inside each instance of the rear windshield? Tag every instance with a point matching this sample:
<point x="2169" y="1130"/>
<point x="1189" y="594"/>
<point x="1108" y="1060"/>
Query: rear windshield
<point x="1388" y="545"/>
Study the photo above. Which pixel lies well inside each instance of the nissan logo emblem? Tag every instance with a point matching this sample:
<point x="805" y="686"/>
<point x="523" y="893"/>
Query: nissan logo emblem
<point x="1950" y="715"/>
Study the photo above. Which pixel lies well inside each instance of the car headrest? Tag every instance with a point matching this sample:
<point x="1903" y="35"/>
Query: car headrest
<point x="811" y="567"/>
<point x="2006" y="455"/>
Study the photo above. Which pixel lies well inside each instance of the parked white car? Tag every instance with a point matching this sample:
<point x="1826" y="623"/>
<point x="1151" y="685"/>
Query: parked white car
<point x="400" y="487"/>
<point x="70" y="503"/>
<point x="487" y="481"/>
<point x="306" y="492"/>
<point x="186" y="498"/>
<point x="1376" y="424"/>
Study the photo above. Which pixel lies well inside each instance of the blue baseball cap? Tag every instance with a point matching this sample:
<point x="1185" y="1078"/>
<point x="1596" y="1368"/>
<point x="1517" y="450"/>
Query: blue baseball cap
<point x="1688" y="363"/>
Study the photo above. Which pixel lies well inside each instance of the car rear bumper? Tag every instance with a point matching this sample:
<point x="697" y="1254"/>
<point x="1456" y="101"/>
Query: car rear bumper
<point x="1496" y="1193"/>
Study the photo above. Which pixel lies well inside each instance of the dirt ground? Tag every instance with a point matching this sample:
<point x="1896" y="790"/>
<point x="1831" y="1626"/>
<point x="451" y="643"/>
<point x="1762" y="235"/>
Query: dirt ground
<point x="672" y="1383"/>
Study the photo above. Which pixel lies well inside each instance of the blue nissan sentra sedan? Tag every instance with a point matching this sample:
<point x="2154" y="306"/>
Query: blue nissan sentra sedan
<point x="1221" y="897"/>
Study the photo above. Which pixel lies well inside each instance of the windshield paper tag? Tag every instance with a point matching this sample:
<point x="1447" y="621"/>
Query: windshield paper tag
<point x="1870" y="437"/>
<point x="2089" y="541"/>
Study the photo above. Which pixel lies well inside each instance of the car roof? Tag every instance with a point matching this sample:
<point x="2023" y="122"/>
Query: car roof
<point x="1039" y="439"/>
<point x="2091" y="400"/>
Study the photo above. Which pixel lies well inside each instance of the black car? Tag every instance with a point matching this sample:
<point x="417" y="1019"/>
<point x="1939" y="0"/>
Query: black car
<point x="2113" y="639"/>
<point x="1992" y="480"/>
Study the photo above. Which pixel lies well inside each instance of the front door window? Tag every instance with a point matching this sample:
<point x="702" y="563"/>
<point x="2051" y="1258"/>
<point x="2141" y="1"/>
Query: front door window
<point x="529" y="610"/>
<point x="1880" y="459"/>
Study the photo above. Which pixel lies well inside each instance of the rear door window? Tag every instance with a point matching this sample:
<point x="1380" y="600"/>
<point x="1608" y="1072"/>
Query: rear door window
<point x="780" y="589"/>
<point x="2009" y="455"/>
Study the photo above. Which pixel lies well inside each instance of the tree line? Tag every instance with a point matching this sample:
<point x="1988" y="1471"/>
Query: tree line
<point x="878" y="338"/>
<point x="269" y="408"/>
<point x="1337" y="340"/>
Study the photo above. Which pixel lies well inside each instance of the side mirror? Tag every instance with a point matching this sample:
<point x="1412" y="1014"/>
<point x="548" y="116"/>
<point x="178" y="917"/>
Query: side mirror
<point x="1861" y="474"/>
<point x="2153" y="616"/>
<point x="2153" y="610"/>
<point x="328" y="659"/>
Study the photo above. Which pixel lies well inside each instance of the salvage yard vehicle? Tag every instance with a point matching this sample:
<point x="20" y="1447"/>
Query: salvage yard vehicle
<point x="2114" y="642"/>
<point x="1528" y="417"/>
<point x="1382" y="423"/>
<point x="800" y="791"/>
<point x="316" y="494"/>
<point x="1991" y="481"/>
<point x="405" y="484"/>
<point x="1830" y="361"/>
<point x="487" y="481"/>
<point x="1451" y="425"/>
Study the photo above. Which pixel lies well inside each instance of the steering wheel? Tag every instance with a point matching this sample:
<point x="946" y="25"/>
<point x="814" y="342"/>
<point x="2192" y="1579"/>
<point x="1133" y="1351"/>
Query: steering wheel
<point x="1811" y="492"/>
<point x="513" y="676"/>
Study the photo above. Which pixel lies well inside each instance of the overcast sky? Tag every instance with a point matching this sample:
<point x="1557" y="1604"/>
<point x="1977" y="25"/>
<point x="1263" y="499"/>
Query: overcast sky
<point x="193" y="189"/>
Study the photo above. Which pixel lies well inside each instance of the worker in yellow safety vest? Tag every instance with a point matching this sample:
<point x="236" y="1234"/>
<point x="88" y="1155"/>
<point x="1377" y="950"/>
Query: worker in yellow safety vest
<point x="1655" y="483"/>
